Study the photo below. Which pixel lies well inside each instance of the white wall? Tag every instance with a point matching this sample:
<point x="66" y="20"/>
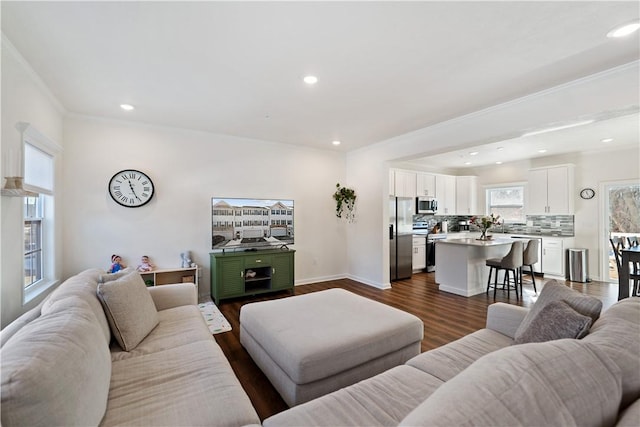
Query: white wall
<point x="187" y="169"/>
<point x="24" y="99"/>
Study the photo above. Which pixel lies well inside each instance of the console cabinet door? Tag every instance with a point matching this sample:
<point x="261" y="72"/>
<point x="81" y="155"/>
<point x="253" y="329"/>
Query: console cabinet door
<point x="229" y="278"/>
<point x="282" y="271"/>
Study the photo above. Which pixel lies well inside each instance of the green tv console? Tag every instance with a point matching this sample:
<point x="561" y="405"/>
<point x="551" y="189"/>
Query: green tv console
<point x="236" y="274"/>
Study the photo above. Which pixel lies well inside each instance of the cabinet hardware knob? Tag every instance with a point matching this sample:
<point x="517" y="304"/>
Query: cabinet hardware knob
<point x="258" y="260"/>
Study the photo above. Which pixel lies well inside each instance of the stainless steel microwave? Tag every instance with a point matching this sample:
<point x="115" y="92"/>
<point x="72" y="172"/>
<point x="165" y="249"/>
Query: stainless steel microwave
<point x="426" y="205"/>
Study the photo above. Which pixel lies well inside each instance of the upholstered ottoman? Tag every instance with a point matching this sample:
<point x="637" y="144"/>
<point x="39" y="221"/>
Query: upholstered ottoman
<point x="310" y="345"/>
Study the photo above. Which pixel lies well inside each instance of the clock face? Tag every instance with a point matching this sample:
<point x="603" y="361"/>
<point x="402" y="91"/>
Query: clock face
<point x="131" y="188"/>
<point x="587" y="193"/>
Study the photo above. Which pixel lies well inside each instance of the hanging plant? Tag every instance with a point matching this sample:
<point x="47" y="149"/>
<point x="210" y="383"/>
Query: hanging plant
<point x="345" y="202"/>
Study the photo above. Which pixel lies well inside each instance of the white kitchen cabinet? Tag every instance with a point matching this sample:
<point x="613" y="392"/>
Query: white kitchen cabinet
<point x="466" y="195"/>
<point x="426" y="184"/>
<point x="552" y="256"/>
<point x="550" y="191"/>
<point x="446" y="194"/>
<point x="404" y="183"/>
<point x="419" y="253"/>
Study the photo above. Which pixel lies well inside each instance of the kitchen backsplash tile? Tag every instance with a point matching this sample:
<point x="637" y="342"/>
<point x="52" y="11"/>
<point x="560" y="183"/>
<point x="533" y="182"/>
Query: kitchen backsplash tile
<point x="544" y="225"/>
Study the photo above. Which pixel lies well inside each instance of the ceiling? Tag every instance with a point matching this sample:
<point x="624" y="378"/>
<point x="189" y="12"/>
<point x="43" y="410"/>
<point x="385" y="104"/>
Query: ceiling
<point x="384" y="68"/>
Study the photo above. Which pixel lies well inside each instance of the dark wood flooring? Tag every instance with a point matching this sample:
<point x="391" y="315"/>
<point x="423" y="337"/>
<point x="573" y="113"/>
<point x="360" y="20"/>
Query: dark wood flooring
<point x="446" y="318"/>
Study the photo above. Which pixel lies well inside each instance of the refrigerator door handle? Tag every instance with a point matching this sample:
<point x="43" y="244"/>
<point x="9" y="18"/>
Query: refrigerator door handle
<point x="390" y="231"/>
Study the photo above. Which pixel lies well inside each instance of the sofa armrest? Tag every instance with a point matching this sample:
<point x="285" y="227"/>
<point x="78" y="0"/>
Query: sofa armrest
<point x="505" y="318"/>
<point x="169" y="296"/>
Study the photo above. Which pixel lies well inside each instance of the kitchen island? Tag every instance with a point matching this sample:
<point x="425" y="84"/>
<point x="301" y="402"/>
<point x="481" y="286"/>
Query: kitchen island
<point x="460" y="263"/>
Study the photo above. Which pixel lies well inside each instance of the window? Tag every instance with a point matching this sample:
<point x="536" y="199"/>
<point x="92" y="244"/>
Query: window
<point x="32" y="240"/>
<point x="38" y="213"/>
<point x="508" y="202"/>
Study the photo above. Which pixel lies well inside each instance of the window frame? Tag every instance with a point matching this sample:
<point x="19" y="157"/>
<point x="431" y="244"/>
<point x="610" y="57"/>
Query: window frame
<point x="47" y="196"/>
<point x="38" y="250"/>
<point x="522" y="185"/>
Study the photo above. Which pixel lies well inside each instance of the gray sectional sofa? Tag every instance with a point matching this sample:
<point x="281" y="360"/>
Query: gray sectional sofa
<point x="61" y="364"/>
<point x="482" y="379"/>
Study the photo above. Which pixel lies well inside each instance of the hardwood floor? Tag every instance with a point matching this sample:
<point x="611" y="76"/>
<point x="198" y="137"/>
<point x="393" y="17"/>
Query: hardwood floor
<point x="446" y="318"/>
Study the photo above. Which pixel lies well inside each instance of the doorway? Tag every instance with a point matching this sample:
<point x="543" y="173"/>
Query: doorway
<point x="621" y="213"/>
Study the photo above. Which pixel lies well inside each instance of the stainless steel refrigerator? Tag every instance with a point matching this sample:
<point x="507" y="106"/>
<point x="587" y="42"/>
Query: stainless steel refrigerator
<point x="401" y="210"/>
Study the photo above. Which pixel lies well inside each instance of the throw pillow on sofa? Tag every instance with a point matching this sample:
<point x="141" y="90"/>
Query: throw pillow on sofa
<point x="107" y="277"/>
<point x="130" y="310"/>
<point x="554" y="321"/>
<point x="554" y="291"/>
<point x="538" y="384"/>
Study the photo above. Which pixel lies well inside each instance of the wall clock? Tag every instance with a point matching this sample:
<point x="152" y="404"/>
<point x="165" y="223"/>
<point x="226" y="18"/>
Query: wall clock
<point x="131" y="188"/>
<point x="587" y="193"/>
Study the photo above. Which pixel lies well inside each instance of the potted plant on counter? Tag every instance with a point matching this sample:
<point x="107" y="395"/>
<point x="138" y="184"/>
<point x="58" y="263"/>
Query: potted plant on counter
<point x="484" y="223"/>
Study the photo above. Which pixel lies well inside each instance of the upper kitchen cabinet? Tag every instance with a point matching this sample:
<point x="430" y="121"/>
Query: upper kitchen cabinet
<point x="466" y="195"/>
<point x="426" y="184"/>
<point x="404" y="183"/>
<point x="446" y="194"/>
<point x="550" y="191"/>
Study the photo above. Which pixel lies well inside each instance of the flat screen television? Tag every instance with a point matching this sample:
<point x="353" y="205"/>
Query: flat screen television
<point x="251" y="223"/>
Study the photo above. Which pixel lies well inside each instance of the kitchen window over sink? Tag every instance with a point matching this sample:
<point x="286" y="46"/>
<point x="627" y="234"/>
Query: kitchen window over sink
<point x="508" y="202"/>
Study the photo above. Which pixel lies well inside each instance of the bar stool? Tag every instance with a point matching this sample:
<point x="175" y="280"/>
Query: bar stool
<point x="511" y="262"/>
<point x="530" y="257"/>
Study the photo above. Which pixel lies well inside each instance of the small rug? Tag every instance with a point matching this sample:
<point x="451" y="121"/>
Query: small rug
<point x="214" y="319"/>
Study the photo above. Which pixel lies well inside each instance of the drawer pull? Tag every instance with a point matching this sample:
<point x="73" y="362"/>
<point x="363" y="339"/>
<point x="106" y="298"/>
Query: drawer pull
<point x="258" y="260"/>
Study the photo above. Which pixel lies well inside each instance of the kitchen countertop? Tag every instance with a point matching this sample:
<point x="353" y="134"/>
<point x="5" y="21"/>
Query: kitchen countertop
<point x="475" y="242"/>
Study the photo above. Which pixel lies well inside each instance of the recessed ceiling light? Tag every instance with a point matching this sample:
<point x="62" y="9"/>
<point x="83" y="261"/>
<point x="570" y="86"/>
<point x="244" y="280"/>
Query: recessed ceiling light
<point x="624" y="29"/>
<point x="553" y="129"/>
<point x="498" y="163"/>
<point x="606" y="140"/>
<point x="473" y="153"/>
<point x="500" y="148"/>
<point x="310" y="80"/>
<point x="542" y="151"/>
<point x="467" y="163"/>
<point x="127" y="107"/>
<point x="336" y="142"/>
